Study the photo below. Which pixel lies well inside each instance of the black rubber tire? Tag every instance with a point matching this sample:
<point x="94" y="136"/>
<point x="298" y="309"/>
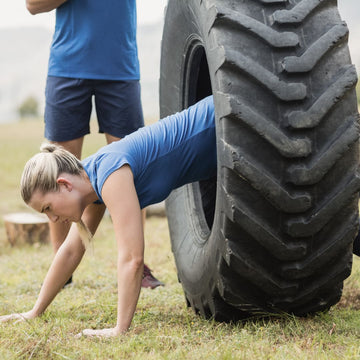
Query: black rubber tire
<point x="274" y="232"/>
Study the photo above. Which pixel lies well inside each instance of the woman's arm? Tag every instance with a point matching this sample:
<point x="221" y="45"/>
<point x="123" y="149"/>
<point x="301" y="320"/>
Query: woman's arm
<point x="65" y="262"/>
<point x="63" y="265"/>
<point x="120" y="197"/>
<point x="40" y="6"/>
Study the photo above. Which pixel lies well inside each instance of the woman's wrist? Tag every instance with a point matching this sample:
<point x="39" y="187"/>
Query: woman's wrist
<point x="35" y="311"/>
<point x="118" y="329"/>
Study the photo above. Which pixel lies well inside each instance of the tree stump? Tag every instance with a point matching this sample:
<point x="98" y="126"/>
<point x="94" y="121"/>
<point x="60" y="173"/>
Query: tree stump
<point x="26" y="228"/>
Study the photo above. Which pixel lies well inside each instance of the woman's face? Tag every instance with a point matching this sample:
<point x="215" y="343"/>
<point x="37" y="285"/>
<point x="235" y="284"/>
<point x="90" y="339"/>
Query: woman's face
<point x="60" y="206"/>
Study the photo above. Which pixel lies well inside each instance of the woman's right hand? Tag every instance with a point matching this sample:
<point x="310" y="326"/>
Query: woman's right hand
<point x="18" y="317"/>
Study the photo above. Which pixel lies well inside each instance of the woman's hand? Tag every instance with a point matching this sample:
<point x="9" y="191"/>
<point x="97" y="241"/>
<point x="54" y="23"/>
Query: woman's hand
<point x="18" y="317"/>
<point x="99" y="333"/>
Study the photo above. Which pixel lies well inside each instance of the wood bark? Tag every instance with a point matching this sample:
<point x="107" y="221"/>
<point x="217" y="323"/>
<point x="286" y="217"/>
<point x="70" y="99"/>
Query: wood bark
<point x="26" y="228"/>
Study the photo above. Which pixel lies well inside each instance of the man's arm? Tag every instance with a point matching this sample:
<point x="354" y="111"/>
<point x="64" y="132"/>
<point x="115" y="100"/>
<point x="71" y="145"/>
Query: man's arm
<point x="40" y="6"/>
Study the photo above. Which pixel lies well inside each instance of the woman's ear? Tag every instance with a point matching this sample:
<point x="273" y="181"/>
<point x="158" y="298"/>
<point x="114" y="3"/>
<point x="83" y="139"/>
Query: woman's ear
<point x="63" y="181"/>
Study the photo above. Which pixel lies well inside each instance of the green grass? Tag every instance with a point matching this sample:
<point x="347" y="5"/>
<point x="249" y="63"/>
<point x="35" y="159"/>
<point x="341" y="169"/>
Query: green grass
<point x="163" y="328"/>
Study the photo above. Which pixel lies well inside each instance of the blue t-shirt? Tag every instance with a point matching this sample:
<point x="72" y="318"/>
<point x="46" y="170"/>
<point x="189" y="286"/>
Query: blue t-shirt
<point x="95" y="39"/>
<point x="177" y="150"/>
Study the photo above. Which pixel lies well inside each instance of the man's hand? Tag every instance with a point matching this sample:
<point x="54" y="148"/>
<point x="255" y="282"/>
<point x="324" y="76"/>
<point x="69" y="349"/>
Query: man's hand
<point x="41" y="6"/>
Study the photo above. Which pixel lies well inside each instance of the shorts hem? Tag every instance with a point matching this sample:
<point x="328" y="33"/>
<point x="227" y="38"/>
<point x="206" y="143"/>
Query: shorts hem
<point x="62" y="139"/>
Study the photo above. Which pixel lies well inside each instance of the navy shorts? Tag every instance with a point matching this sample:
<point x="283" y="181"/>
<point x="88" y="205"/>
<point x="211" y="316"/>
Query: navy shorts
<point x="69" y="104"/>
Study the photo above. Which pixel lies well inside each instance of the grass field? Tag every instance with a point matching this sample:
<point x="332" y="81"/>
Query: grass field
<point x="163" y="328"/>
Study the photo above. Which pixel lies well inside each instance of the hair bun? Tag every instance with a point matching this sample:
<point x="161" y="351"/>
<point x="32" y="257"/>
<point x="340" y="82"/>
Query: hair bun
<point x="48" y="148"/>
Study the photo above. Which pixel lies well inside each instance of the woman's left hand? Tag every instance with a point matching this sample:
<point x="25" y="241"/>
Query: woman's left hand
<point x="112" y="332"/>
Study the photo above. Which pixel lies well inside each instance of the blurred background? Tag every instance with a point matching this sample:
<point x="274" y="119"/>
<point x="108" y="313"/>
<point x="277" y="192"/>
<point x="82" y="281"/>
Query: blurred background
<point x="24" y="50"/>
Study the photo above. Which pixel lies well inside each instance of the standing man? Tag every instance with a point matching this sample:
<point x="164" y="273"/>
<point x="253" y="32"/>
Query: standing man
<point x="93" y="54"/>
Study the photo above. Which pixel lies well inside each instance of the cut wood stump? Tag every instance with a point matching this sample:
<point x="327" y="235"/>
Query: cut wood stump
<point x="26" y="228"/>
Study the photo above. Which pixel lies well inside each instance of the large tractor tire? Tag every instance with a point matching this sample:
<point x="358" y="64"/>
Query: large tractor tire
<point x="274" y="231"/>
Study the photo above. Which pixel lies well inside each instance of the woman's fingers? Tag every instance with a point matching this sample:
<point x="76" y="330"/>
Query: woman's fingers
<point x="18" y="317"/>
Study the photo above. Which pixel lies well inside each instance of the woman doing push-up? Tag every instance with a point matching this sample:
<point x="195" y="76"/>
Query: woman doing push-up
<point x="126" y="176"/>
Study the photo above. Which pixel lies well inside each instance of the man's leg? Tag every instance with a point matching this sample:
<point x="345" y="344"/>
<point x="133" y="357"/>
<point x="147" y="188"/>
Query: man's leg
<point x="67" y="113"/>
<point x="59" y="231"/>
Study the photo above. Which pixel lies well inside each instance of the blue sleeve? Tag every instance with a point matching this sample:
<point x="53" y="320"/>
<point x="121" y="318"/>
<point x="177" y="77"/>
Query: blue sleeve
<point x="101" y="165"/>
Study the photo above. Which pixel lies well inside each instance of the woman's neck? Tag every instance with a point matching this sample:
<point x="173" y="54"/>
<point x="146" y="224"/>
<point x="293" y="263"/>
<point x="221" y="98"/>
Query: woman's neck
<point x="87" y="190"/>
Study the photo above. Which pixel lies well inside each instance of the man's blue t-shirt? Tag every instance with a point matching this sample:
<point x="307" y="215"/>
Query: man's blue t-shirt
<point x="95" y="40"/>
<point x="177" y="150"/>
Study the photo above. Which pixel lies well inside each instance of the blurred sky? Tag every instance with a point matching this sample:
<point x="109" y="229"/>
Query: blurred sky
<point x="13" y="13"/>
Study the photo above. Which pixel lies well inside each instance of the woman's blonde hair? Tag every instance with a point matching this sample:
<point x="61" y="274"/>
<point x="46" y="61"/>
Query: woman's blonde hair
<point x="42" y="170"/>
